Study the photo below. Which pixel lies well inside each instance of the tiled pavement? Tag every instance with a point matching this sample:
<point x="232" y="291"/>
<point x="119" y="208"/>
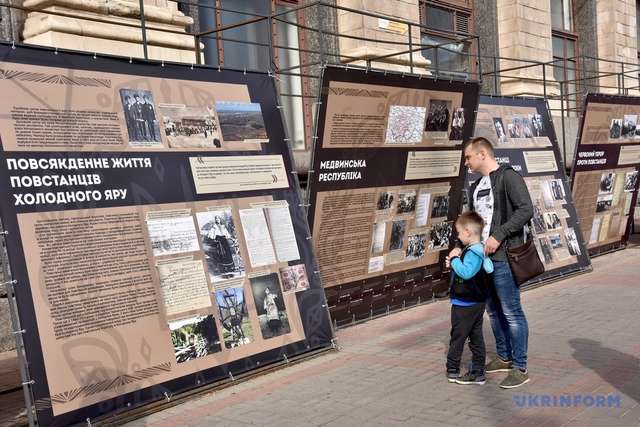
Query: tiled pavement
<point x="584" y="342"/>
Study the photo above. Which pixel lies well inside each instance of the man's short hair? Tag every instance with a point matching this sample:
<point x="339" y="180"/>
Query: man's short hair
<point x="480" y="143"/>
<point x="472" y="221"/>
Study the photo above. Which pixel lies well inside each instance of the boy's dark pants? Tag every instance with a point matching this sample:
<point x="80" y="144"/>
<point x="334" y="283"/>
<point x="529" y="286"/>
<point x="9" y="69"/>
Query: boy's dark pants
<point x="466" y="322"/>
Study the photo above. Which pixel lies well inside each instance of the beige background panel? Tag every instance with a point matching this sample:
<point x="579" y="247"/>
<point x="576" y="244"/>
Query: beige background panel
<point x="485" y="126"/>
<point x="363" y="110"/>
<point x="99" y="92"/>
<point x="597" y="123"/>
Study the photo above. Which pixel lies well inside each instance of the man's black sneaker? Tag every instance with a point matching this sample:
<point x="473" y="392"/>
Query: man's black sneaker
<point x="516" y="378"/>
<point x="472" y="378"/>
<point x="498" y="365"/>
<point x="453" y="376"/>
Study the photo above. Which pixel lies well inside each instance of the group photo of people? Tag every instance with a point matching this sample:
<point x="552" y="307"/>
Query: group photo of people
<point x="140" y="116"/>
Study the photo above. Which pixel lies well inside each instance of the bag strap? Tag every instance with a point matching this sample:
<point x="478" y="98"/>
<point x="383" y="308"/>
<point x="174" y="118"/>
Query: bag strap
<point x="503" y="210"/>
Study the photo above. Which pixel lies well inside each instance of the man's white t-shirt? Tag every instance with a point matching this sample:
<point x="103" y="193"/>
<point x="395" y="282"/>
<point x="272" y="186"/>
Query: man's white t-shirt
<point x="483" y="204"/>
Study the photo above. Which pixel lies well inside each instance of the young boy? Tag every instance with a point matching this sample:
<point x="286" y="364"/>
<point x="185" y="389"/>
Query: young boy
<point x="468" y="294"/>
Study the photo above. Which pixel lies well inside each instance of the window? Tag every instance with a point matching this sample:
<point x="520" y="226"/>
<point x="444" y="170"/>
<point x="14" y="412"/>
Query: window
<point x="446" y="24"/>
<point x="564" y="45"/>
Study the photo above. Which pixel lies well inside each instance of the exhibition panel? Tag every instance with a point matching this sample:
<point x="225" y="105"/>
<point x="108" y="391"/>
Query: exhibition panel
<point x="605" y="170"/>
<point x="385" y="186"/>
<point x="523" y="136"/>
<point x="157" y="239"/>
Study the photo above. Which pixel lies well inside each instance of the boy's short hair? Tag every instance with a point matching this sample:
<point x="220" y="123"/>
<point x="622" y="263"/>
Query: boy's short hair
<point x="472" y="221"/>
<point x="480" y="143"/>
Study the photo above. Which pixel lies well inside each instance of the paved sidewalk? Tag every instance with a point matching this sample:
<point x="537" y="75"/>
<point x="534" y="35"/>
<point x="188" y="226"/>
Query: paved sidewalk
<point x="584" y="343"/>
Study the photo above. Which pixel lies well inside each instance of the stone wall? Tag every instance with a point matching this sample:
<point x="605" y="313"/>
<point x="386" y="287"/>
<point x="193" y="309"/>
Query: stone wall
<point x="617" y="41"/>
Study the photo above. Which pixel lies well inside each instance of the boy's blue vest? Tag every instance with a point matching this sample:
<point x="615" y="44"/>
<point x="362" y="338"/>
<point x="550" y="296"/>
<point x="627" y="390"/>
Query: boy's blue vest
<point x="475" y="289"/>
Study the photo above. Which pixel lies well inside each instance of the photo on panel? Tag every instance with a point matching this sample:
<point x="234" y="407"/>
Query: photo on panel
<point x="440" y="208"/>
<point x="526" y="127"/>
<point x="220" y="244"/>
<point x="512" y="130"/>
<point x="607" y="182"/>
<point x="404" y="125"/>
<point x="552" y="220"/>
<point x="241" y="122"/>
<point x="272" y="313"/>
<point x="556" y="241"/>
<point x="539" y="226"/>
<point x="194" y="337"/>
<point x="604" y="203"/>
<point x="629" y="125"/>
<point x="397" y="235"/>
<point x="440" y="235"/>
<point x="572" y="241"/>
<point x="557" y="189"/>
<point x="172" y="234"/>
<point x="537" y="126"/>
<point x="385" y="200"/>
<point x="438" y="116"/>
<point x="457" y="125"/>
<point x="190" y="127"/>
<point x="547" y="250"/>
<point x="416" y="246"/>
<point x="140" y="117"/>
<point x="234" y="317"/>
<point x="294" y="278"/>
<point x="630" y="181"/>
<point x="615" y="129"/>
<point x="406" y="202"/>
<point x="501" y="132"/>
<point x="518" y="127"/>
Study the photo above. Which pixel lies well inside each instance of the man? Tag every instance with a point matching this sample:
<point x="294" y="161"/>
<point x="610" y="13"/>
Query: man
<point x="501" y="198"/>
<point x="149" y="116"/>
<point x="138" y="117"/>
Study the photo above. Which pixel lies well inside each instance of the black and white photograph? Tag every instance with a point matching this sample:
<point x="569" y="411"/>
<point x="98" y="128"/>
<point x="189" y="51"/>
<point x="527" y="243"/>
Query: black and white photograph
<point x="220" y="244"/>
<point x="440" y="207"/>
<point x="572" y="241"/>
<point x="537" y="126"/>
<point x="190" y="127"/>
<point x="526" y="127"/>
<point x="604" y="203"/>
<point x="457" y="125"/>
<point x="501" y="132"/>
<point x="556" y="188"/>
<point x="552" y="220"/>
<point x="629" y="126"/>
<point x="518" y="127"/>
<point x="615" y="129"/>
<point x="416" y="246"/>
<point x="194" y="337"/>
<point x="547" y="250"/>
<point x="397" y="235"/>
<point x="241" y="122"/>
<point x="556" y="241"/>
<point x="385" y="200"/>
<point x="236" y="325"/>
<point x="630" y="181"/>
<point x="140" y="117"/>
<point x="512" y="130"/>
<point x="607" y="183"/>
<point x="404" y="125"/>
<point x="438" y="116"/>
<point x="272" y="313"/>
<point x="440" y="236"/>
<point x="406" y="202"/>
<point x="539" y="226"/>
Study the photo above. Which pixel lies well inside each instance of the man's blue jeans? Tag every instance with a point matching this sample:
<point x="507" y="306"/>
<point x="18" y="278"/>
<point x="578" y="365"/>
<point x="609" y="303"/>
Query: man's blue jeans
<point x="508" y="321"/>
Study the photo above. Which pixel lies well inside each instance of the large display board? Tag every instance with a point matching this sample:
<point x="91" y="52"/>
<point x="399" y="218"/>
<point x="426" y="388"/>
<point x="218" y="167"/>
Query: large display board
<point x="605" y="171"/>
<point x="155" y="229"/>
<point x="523" y="136"/>
<point x="386" y="185"/>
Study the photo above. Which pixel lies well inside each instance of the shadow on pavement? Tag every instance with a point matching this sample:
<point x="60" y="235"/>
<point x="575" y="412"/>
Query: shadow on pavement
<point x="620" y="370"/>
